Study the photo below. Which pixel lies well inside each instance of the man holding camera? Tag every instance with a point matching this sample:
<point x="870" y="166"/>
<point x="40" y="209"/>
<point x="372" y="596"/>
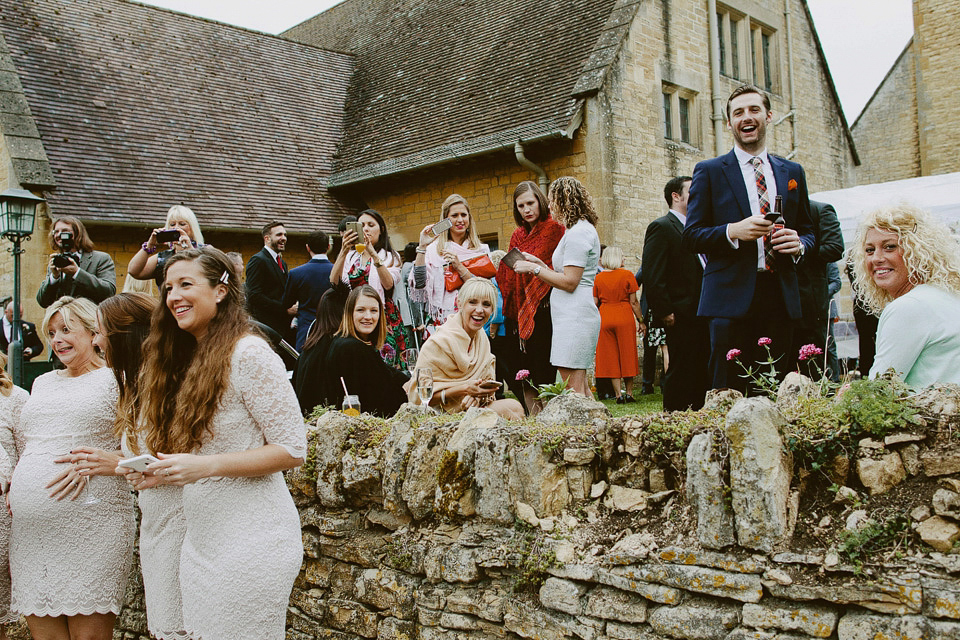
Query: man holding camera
<point x="76" y="269"/>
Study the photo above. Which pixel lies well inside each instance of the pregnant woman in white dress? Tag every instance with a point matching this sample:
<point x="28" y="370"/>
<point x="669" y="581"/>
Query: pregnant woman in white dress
<point x="218" y="411"/>
<point x="576" y="320"/>
<point x="69" y="558"/>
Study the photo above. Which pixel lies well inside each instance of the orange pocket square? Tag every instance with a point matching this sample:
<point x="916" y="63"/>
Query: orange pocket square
<point x="792" y="185"/>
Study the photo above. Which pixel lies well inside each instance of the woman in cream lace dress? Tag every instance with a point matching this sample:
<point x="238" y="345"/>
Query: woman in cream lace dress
<point x="12" y="400"/>
<point x="224" y="429"/>
<point x="70" y="548"/>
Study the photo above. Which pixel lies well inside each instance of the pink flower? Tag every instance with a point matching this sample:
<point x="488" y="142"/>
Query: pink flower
<point x="762" y="342"/>
<point x="523" y="374"/>
<point x="733" y="354"/>
<point x="808" y="351"/>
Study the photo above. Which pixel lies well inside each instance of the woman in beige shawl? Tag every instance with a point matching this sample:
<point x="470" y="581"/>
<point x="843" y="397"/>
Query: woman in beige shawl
<point x="459" y="356"/>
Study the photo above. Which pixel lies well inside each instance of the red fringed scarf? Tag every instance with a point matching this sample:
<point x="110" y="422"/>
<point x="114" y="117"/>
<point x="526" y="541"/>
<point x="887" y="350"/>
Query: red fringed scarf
<point x="522" y="293"/>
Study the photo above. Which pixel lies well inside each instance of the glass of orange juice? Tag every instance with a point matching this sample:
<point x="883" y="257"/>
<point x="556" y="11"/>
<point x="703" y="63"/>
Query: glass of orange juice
<point x="351" y="405"/>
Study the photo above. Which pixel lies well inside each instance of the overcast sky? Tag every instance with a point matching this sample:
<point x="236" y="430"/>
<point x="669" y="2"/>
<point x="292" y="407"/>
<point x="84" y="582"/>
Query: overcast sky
<point x="861" y="38"/>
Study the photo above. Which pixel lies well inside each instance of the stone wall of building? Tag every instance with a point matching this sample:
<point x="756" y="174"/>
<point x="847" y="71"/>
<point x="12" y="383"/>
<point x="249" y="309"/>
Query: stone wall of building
<point x="886" y="132"/>
<point x="668" y="49"/>
<point x="577" y="525"/>
<point x="936" y="26"/>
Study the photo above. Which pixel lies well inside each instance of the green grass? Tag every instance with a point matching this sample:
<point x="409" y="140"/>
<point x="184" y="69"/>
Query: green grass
<point x="651" y="403"/>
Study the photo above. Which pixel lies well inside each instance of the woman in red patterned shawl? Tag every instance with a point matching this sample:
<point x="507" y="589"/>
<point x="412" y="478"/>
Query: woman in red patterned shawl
<point x="526" y="305"/>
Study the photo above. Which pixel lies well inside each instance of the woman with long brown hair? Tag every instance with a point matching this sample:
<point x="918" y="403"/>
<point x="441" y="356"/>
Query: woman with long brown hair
<point x="12" y="400"/>
<point x="526" y="303"/>
<point x="575" y="262"/>
<point x="217" y="410"/>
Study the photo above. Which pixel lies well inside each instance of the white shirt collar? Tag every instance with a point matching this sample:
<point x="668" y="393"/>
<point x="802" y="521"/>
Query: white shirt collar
<point x="744" y="158"/>
<point x="321" y="257"/>
<point x="273" y="254"/>
<point x="682" y="218"/>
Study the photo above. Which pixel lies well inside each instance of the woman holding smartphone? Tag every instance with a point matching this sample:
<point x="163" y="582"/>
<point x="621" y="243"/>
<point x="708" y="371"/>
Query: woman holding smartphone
<point x="459" y="358"/>
<point x="525" y="297"/>
<point x="217" y="410"/>
<point x="371" y="260"/>
<point x="442" y="252"/>
<point x="575" y="318"/>
<point x="181" y="231"/>
<point x="352" y="355"/>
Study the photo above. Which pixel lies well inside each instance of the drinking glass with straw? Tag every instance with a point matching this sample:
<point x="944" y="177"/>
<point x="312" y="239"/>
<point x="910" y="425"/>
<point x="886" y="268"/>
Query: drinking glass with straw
<point x="351" y="403"/>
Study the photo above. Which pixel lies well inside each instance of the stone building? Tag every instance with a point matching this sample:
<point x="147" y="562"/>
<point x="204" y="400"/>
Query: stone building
<point x="114" y="111"/>
<point x="615" y="92"/>
<point x="911" y="125"/>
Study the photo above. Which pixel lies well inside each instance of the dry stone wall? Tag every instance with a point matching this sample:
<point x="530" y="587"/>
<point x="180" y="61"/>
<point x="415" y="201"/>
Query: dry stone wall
<point x="578" y="525"/>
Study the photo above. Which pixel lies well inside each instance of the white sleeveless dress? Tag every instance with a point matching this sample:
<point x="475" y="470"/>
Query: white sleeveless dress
<point x="10" y="407"/>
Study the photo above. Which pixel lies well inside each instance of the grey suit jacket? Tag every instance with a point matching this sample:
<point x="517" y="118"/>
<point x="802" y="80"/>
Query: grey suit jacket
<point x="96" y="279"/>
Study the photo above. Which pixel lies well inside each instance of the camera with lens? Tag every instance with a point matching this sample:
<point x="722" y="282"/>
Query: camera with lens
<point x="64" y="241"/>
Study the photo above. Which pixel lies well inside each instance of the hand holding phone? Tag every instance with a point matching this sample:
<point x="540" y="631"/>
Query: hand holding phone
<point x="138" y="463"/>
<point x="168" y="235"/>
<point x="490" y="385"/>
<point x="441" y="226"/>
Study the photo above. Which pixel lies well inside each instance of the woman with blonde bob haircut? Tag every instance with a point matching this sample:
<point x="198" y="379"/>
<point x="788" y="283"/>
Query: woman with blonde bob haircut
<point x="219" y="413"/>
<point x="458" y="355"/>
<point x="908" y="270"/>
<point x="445" y="254"/>
<point x="72" y="535"/>
<point x="12" y="400"/>
<point x="575" y="262"/>
<point x="615" y="294"/>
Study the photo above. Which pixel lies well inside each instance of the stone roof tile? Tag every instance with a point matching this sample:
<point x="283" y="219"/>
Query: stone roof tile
<point x="141" y="108"/>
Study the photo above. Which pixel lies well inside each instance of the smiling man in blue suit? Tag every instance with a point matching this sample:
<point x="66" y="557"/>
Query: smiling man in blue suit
<point x="749" y="282"/>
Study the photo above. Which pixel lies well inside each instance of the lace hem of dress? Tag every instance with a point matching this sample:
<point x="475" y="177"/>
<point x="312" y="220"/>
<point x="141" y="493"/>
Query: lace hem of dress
<point x="9" y="618"/>
<point x="79" y="610"/>
<point x="170" y="635"/>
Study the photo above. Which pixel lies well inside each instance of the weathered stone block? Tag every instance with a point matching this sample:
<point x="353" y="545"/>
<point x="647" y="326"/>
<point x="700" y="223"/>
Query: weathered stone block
<point x="939" y="533"/>
<point x="695" y="620"/>
<point x="614" y="604"/>
<point x="704" y="492"/>
<point x="333" y="429"/>
<point x="572" y="409"/>
<point x="866" y="626"/>
<point x="351" y="617"/>
<point x="625" y="499"/>
<point x="621" y="631"/>
<point x="563" y="595"/>
<point x="535" y="480"/>
<point x="678" y="555"/>
<point x="486" y="603"/>
<point x="361" y="478"/>
<point x="941" y="598"/>
<point x="420" y="484"/>
<point x="394" y="629"/>
<point x="387" y="589"/>
<point x="816" y="621"/>
<point x="940" y="463"/>
<point x="628" y="580"/>
<point x="760" y="473"/>
<point x="742" y="587"/>
<point x="881" y="474"/>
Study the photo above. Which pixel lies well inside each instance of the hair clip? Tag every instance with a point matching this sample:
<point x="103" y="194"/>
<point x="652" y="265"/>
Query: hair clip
<point x="225" y="278"/>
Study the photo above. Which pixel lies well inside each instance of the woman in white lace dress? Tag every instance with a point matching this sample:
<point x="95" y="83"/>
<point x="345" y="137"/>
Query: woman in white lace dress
<point x="218" y="411"/>
<point x="12" y="400"/>
<point x="70" y="549"/>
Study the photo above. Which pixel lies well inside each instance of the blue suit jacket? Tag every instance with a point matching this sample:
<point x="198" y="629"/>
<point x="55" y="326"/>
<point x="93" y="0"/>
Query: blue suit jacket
<point x="306" y="285"/>
<point x="718" y="196"/>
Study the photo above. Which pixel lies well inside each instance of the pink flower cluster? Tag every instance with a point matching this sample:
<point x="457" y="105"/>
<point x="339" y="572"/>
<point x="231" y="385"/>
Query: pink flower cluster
<point x="523" y="374"/>
<point x="808" y="351"/>
<point x="733" y="354"/>
<point x="762" y="342"/>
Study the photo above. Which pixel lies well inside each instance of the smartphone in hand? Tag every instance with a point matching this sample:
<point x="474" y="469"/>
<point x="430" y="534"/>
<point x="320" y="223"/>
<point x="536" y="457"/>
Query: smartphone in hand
<point x="512" y="257"/>
<point x="168" y="235"/>
<point x="490" y="385"/>
<point x="441" y="226"/>
<point x="138" y="463"/>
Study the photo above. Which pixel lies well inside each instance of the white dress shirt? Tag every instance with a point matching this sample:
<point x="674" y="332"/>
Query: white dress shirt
<point x="745" y="159"/>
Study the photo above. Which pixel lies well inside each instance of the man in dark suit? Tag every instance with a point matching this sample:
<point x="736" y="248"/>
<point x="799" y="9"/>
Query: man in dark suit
<point x="749" y="281"/>
<point x="28" y="332"/>
<point x="266" y="281"/>
<point x="673" y="278"/>
<point x="76" y="269"/>
<point x="812" y="283"/>
<point x="307" y="283"/>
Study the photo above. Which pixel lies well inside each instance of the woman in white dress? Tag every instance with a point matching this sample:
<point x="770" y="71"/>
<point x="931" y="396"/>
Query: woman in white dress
<point x="575" y="318"/>
<point x="70" y="549"/>
<point x="219" y="413"/>
<point x="12" y="400"/>
<point x="442" y="254"/>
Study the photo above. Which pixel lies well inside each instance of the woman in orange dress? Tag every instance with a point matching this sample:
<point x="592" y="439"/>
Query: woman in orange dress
<point x="615" y="293"/>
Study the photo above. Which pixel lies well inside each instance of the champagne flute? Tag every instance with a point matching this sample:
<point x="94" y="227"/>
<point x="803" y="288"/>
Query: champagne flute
<point x="86" y="497"/>
<point x="410" y="358"/>
<point x="425" y="385"/>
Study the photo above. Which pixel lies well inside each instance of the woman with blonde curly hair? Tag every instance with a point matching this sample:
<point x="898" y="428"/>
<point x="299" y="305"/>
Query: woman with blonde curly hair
<point x="217" y="410"/>
<point x="908" y="270"/>
<point x="575" y="318"/>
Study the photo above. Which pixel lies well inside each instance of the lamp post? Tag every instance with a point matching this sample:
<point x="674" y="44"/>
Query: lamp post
<point x="18" y="211"/>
